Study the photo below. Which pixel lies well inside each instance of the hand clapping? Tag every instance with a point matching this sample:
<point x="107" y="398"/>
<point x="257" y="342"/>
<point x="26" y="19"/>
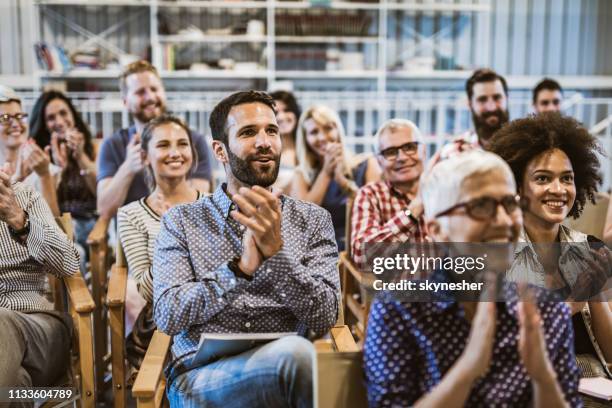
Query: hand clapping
<point x="10" y="211"/>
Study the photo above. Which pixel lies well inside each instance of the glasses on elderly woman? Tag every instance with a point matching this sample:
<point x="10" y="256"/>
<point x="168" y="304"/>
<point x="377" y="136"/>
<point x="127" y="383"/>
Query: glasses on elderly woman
<point x="391" y="153"/>
<point x="485" y="208"/>
<point x="19" y="117"/>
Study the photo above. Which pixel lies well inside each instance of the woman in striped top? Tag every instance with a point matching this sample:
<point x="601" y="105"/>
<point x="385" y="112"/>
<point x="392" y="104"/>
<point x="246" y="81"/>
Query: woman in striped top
<point x="169" y="156"/>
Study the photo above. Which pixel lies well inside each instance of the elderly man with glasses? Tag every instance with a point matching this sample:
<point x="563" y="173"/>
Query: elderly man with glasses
<point x="390" y="210"/>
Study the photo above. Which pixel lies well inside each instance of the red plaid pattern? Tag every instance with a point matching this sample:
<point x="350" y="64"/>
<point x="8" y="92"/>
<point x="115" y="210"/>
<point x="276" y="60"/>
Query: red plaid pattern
<point x="379" y="216"/>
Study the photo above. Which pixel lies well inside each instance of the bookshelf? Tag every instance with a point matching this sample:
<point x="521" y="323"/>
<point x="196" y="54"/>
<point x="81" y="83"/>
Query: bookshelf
<point x="267" y="40"/>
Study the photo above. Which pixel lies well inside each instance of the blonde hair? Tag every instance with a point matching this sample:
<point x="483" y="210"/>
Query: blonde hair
<point x="309" y="163"/>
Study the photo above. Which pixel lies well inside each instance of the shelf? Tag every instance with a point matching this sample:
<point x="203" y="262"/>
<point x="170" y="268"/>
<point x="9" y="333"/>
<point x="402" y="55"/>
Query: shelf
<point x="328" y="74"/>
<point x="81" y="74"/>
<point x="338" y="5"/>
<point x="215" y="4"/>
<point x="135" y="3"/>
<point x="448" y="7"/>
<point x="214" y="74"/>
<point x="211" y="38"/>
<point x="324" y="39"/>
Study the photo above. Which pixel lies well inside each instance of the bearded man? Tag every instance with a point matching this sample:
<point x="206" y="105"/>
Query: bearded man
<point x="245" y="260"/>
<point x="120" y="175"/>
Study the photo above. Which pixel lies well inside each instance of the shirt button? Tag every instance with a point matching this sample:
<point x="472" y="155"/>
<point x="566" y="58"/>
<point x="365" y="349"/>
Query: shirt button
<point x="232" y="281"/>
<point x="247" y="325"/>
<point x="268" y="270"/>
<point x="283" y="295"/>
<point x="242" y="228"/>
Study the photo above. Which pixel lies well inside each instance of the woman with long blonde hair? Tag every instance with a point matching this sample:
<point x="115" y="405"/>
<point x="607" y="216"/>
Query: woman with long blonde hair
<point x="327" y="175"/>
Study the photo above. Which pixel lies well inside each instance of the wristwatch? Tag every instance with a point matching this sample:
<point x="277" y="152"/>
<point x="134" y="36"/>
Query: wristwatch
<point x="25" y="230"/>
<point x="233" y="266"/>
<point x="411" y="216"/>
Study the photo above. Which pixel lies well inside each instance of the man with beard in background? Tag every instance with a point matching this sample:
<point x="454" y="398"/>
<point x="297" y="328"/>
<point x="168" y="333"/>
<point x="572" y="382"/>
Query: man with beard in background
<point x="487" y="93"/>
<point x="245" y="260"/>
<point x="120" y="176"/>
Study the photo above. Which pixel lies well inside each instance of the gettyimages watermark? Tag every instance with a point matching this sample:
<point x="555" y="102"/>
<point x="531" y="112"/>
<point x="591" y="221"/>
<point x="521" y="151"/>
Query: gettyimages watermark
<point x="427" y="272"/>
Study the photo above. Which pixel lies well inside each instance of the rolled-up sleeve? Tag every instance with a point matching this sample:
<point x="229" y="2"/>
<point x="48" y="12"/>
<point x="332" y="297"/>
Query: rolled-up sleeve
<point x="181" y="300"/>
<point x="310" y="287"/>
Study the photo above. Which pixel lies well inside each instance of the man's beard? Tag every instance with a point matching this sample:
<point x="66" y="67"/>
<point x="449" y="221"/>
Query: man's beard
<point x="244" y="171"/>
<point x="145" y="118"/>
<point x="486" y="131"/>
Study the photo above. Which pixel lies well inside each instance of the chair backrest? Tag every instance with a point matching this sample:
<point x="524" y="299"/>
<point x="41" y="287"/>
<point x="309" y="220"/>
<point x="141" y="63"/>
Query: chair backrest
<point x="592" y="219"/>
<point x="348" y="224"/>
<point x="58" y="289"/>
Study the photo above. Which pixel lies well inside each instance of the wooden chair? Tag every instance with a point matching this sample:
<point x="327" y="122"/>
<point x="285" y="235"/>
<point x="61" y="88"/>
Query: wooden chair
<point x="70" y="295"/>
<point x="356" y="297"/>
<point x="99" y="261"/>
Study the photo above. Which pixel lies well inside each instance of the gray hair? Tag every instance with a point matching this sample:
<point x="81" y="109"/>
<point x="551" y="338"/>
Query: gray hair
<point x="394" y="124"/>
<point x="441" y="186"/>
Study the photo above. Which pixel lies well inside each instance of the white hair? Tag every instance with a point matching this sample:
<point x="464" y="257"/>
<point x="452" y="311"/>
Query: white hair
<point x="441" y="186"/>
<point x="394" y="124"/>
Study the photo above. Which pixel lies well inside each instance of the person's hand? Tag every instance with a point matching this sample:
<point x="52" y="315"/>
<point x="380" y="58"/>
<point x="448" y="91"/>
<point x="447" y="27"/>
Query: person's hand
<point x="591" y="281"/>
<point x="10" y="211"/>
<point x="35" y="159"/>
<point x="251" y="258"/>
<point x="76" y="143"/>
<point x="332" y="158"/>
<point x="260" y="212"/>
<point x="531" y="346"/>
<point x="58" y="149"/>
<point x="133" y="157"/>
<point x="476" y="356"/>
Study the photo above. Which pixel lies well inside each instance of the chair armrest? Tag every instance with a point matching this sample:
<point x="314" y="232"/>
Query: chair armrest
<point x="151" y="369"/>
<point x="343" y="339"/>
<point x="117" y="286"/>
<point x="79" y="294"/>
<point x="97" y="236"/>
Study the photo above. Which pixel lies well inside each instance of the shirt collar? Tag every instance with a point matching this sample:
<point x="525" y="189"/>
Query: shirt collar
<point x="222" y="200"/>
<point x="566" y="235"/>
<point x="396" y="192"/>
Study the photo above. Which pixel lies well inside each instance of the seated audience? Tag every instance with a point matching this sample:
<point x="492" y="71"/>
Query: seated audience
<point x="120" y="169"/>
<point x="390" y="210"/>
<point x="487" y="94"/>
<point x="554" y="161"/>
<point x="35" y="340"/>
<point x="453" y="353"/>
<point x="547" y="96"/>
<point x="325" y="174"/>
<point x="287" y="114"/>
<point x="245" y="260"/>
<point x="169" y="156"/>
<point x="55" y="122"/>
<point x="28" y="162"/>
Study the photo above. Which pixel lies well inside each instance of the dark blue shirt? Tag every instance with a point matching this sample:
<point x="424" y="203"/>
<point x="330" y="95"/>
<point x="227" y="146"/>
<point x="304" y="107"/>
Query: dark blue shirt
<point x="112" y="155"/>
<point x="410" y="346"/>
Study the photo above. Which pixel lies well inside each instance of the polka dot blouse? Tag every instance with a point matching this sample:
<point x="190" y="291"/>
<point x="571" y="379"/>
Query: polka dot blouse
<point x="411" y="346"/>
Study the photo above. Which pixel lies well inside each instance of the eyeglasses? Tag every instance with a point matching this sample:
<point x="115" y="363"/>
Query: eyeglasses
<point x="485" y="208"/>
<point x="391" y="153"/>
<point x="6" y="118"/>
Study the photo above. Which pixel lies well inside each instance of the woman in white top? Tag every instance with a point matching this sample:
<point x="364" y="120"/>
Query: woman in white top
<point x="556" y="168"/>
<point x="169" y="156"/>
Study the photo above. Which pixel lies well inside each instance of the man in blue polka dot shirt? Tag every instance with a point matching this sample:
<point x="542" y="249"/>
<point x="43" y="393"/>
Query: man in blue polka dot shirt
<point x="452" y="353"/>
<point x="245" y="259"/>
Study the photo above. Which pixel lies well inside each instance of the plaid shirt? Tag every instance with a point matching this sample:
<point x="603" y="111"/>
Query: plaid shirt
<point x="379" y="215"/>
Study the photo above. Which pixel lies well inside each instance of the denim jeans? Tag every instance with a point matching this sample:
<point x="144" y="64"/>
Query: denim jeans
<point x="82" y="228"/>
<point x="276" y="374"/>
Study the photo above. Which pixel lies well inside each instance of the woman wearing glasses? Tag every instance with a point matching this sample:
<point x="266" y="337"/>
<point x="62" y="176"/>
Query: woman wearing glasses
<point x="28" y="162"/>
<point x="326" y="175"/>
<point x="554" y="161"/>
<point x="56" y="125"/>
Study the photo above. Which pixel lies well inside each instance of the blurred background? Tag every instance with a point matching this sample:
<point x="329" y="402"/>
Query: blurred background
<point x="370" y="60"/>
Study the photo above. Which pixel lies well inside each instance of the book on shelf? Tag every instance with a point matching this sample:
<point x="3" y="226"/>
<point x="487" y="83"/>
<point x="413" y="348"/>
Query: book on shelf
<point x="214" y="346"/>
<point x="52" y="58"/>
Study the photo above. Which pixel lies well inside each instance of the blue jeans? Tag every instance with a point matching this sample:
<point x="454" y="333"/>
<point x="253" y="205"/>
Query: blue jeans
<point x="82" y="228"/>
<point x="276" y="374"/>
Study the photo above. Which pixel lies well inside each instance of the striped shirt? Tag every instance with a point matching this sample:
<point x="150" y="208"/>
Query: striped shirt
<point x="379" y="215"/>
<point x="24" y="265"/>
<point x="138" y="226"/>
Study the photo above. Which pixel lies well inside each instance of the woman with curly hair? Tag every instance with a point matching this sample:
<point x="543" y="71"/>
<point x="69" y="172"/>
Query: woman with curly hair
<point x="554" y="160"/>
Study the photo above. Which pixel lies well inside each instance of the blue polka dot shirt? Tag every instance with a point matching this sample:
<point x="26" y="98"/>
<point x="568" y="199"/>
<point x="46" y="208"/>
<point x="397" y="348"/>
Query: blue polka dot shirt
<point x="194" y="291"/>
<point x="410" y="346"/>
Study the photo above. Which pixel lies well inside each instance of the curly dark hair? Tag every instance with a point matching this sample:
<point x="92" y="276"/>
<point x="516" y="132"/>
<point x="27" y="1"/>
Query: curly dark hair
<point x="523" y="139"/>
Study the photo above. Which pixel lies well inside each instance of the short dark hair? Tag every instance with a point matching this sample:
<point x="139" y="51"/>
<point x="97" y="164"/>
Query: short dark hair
<point x="218" y="116"/>
<point x="523" y="139"/>
<point x="484" y="75"/>
<point x="147" y="135"/>
<point x="546" y="83"/>
<point x="135" y="67"/>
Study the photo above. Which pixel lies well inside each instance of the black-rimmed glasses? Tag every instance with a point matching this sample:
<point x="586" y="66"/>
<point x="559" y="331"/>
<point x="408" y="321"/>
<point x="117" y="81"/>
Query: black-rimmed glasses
<point x="485" y="208"/>
<point x="391" y="153"/>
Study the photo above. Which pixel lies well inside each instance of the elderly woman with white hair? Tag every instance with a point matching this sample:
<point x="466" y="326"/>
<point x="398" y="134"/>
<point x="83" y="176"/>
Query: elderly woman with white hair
<point x="451" y="353"/>
<point x="326" y="175"/>
<point x="390" y="210"/>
